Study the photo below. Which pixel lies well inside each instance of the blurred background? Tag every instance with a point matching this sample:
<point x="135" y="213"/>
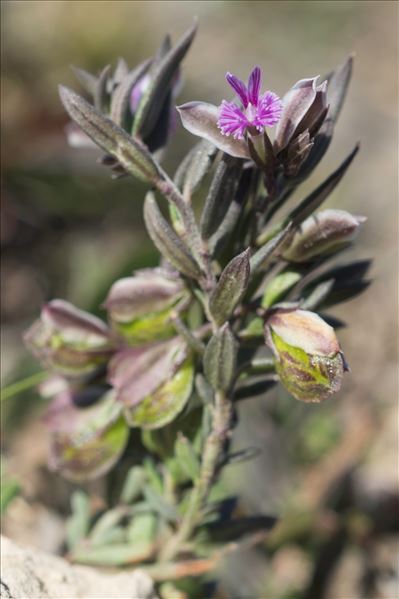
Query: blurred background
<point x="328" y="472"/>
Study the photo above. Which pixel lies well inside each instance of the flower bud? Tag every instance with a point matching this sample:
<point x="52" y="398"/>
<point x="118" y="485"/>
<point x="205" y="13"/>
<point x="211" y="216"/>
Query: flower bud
<point x="304" y="107"/>
<point x="140" y="307"/>
<point x="153" y="382"/>
<point x="322" y="233"/>
<point x="85" y="442"/>
<point x="308" y="358"/>
<point x="69" y="341"/>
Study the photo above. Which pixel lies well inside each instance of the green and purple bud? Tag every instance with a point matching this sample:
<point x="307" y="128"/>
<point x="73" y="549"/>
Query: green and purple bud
<point x="308" y="358"/>
<point x="141" y="308"/>
<point x="85" y="442"/>
<point x="69" y="341"/>
<point x="153" y="383"/>
<point x="322" y="233"/>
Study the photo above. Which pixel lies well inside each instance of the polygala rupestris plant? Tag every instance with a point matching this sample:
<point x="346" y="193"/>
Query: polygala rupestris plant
<point x="239" y="296"/>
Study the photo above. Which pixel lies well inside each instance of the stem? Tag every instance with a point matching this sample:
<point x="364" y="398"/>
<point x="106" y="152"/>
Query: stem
<point x="213" y="446"/>
<point x="23" y="385"/>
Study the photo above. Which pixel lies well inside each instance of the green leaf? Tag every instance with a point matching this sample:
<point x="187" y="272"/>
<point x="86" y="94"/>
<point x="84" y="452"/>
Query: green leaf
<point x="105" y="529"/>
<point x="166" y="240"/>
<point x="279" y="286"/>
<point x="160" y="505"/>
<point x="133" y="484"/>
<point x="142" y="529"/>
<point x="131" y="153"/>
<point x="187" y="457"/>
<point x="78" y="523"/>
<point x="220" y="359"/>
<point x="118" y="554"/>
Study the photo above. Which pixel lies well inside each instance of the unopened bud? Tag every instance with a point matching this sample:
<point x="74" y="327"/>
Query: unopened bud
<point x="308" y="358"/>
<point x="304" y="107"/>
<point x="322" y="233"/>
<point x="85" y="442"/>
<point x="154" y="382"/>
<point x="69" y="341"/>
<point x="140" y="308"/>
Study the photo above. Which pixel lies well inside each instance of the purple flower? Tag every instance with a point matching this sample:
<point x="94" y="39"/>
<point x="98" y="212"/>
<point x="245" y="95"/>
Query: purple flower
<point x="258" y="110"/>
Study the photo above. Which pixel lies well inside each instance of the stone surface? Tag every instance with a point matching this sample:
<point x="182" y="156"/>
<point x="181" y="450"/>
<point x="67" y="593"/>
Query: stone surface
<point x="31" y="574"/>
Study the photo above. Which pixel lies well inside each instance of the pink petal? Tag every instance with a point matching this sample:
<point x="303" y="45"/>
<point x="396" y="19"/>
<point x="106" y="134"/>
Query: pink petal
<point x="269" y="110"/>
<point x="254" y="86"/>
<point x="239" y="87"/>
<point x="232" y="121"/>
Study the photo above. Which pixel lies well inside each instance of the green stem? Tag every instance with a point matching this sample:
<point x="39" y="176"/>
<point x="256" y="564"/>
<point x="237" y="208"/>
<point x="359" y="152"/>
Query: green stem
<point x="20" y="386"/>
<point x="214" y="444"/>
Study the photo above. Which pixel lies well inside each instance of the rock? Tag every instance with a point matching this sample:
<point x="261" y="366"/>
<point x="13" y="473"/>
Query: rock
<point x="31" y="574"/>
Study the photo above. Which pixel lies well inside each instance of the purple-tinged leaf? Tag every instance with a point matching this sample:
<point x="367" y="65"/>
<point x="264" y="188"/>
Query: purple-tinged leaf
<point x="120" y="102"/>
<point x="200" y="118"/>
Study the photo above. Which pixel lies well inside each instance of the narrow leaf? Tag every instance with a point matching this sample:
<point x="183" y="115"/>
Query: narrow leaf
<point x="185" y="454"/>
<point x="133" y="484"/>
<point x="253" y="389"/>
<point x="265" y="253"/>
<point x="279" y="286"/>
<point x="88" y="80"/>
<point x="166" y="240"/>
<point x="161" y="82"/>
<point x="78" y="523"/>
<point x="160" y="505"/>
<point x="230" y="289"/>
<point x="338" y="83"/>
<point x="130" y="152"/>
<point x="100" y="92"/>
<point x="195" y="166"/>
<point x="317" y="197"/>
<point x="221" y="194"/>
<point x="220" y="359"/>
<point x="318" y="294"/>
